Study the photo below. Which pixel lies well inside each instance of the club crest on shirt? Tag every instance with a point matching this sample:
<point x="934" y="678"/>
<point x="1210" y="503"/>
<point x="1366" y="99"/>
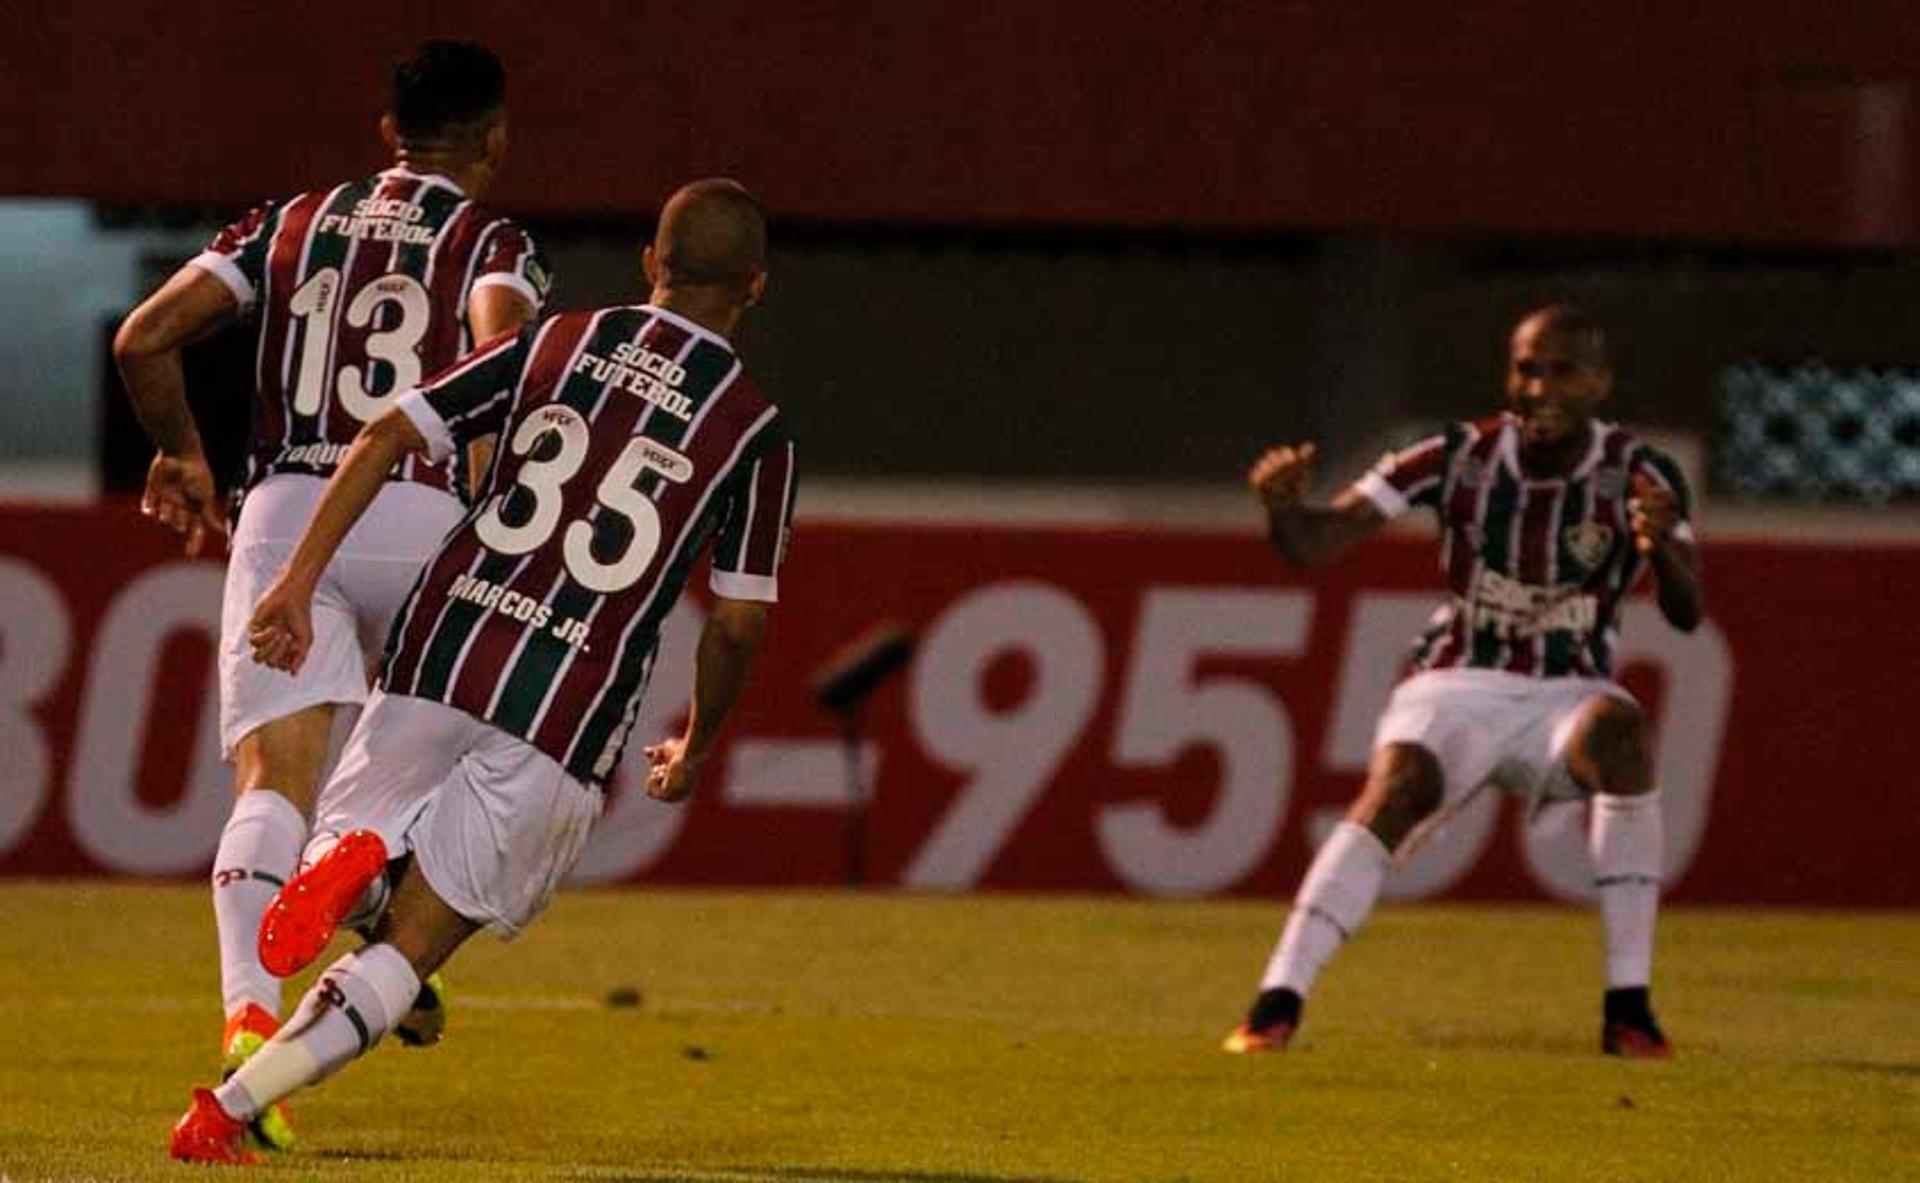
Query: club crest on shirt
<point x="1587" y="543"/>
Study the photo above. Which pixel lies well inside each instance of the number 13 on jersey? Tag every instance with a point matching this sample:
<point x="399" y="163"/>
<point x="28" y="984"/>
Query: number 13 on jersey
<point x="397" y="345"/>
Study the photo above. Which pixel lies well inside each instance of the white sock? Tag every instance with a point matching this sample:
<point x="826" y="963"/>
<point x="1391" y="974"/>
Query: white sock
<point x="258" y="850"/>
<point x="356" y="1001"/>
<point x="1627" y="844"/>
<point x="1335" y="898"/>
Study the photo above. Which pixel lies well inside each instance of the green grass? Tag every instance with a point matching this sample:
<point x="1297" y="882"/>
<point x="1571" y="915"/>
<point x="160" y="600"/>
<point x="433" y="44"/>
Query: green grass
<point x="813" y="1037"/>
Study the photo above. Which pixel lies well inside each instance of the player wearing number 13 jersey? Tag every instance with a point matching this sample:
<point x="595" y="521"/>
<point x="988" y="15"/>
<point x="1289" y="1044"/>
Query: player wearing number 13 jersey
<point x="360" y="290"/>
<point x="1548" y="518"/>
<point x="353" y="294"/>
<point x="631" y="442"/>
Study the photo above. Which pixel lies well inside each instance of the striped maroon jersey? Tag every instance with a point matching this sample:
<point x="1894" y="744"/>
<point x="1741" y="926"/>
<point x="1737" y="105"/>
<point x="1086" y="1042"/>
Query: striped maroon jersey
<point x="357" y="292"/>
<point x="630" y="442"/>
<point x="1537" y="568"/>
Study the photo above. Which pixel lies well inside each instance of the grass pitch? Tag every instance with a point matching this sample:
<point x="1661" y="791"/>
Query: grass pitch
<point x="992" y="1039"/>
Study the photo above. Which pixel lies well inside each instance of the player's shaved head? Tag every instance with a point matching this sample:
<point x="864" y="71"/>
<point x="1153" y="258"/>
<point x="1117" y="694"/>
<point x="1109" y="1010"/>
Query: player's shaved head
<point x="1574" y="327"/>
<point x="712" y="234"/>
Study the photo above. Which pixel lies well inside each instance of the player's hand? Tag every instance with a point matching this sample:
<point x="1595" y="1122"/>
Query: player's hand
<point x="180" y="495"/>
<point x="672" y="775"/>
<point x="1281" y="476"/>
<point x="1652" y="514"/>
<point x="281" y="631"/>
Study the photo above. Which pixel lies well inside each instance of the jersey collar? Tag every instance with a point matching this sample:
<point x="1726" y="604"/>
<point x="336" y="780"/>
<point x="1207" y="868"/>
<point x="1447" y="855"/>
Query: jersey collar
<point x="1510" y="449"/>
<point x="401" y="170"/>
<point x="696" y="329"/>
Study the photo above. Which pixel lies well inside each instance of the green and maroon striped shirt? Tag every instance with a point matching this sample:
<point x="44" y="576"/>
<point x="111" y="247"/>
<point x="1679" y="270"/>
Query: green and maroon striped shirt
<point x="1537" y="568"/>
<point x="358" y="292"/>
<point x="630" y="442"/>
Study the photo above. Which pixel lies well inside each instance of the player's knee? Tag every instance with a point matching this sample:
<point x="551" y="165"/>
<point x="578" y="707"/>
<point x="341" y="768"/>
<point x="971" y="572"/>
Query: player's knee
<point x="1613" y="743"/>
<point x="286" y="755"/>
<point x="1415" y="787"/>
<point x="293" y="780"/>
<point x="1404" y="787"/>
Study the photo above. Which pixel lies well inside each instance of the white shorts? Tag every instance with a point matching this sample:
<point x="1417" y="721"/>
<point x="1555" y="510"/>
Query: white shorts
<point x="1490" y="726"/>
<point x="493" y="822"/>
<point x="352" y="608"/>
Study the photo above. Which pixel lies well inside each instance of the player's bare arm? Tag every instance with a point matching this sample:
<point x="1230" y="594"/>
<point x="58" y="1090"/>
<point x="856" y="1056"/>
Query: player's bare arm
<point x="492" y="310"/>
<point x="1654" y="517"/>
<point x="281" y="630"/>
<point x="180" y="490"/>
<point x="1308" y="535"/>
<point x="728" y="644"/>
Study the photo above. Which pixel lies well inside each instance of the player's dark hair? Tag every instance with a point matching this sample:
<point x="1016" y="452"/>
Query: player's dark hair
<point x="1570" y="320"/>
<point x="445" y="85"/>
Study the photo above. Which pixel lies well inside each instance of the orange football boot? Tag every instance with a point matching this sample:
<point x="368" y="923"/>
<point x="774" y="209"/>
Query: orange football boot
<point x="1245" y="1040"/>
<point x="304" y="914"/>
<point x="209" y="1134"/>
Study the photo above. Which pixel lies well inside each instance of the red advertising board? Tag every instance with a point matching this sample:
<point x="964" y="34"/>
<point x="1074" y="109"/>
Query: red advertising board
<point x="1087" y="710"/>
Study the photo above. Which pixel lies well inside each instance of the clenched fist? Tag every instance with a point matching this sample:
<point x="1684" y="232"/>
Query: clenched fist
<point x="281" y="630"/>
<point x="1652" y="514"/>
<point x="672" y="773"/>
<point x="1282" y="475"/>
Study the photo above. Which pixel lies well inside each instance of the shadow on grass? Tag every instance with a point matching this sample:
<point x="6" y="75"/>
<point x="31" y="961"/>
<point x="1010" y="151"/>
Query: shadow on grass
<point x="337" y="1155"/>
<point x="1442" y="1038"/>
<point x="1877" y="1067"/>
<point x="799" y="1174"/>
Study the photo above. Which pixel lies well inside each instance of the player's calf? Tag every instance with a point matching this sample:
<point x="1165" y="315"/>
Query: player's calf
<point x="1404" y="787"/>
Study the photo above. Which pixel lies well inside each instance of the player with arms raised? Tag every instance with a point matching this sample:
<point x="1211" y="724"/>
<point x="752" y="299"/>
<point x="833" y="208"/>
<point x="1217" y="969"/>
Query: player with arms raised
<point x="1548" y="516"/>
<point x="631" y="441"/>
<point x="355" y="292"/>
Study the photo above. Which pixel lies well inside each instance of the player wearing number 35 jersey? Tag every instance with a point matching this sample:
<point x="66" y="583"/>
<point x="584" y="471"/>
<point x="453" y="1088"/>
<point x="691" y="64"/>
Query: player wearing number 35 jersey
<point x="631" y="442"/>
<point x="630" y="438"/>
<point x="354" y="293"/>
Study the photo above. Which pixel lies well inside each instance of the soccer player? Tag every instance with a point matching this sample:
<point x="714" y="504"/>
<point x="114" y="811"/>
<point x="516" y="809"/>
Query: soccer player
<point x="631" y="441"/>
<point x="1548" y="517"/>
<point x="354" y="292"/>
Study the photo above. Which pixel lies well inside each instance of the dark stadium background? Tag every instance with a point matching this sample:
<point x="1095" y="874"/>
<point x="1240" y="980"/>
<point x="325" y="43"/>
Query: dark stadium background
<point x="1306" y="218"/>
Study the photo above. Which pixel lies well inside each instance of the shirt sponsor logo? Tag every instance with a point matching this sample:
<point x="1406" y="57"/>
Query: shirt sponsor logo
<point x="1515" y="609"/>
<point x="668" y="463"/>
